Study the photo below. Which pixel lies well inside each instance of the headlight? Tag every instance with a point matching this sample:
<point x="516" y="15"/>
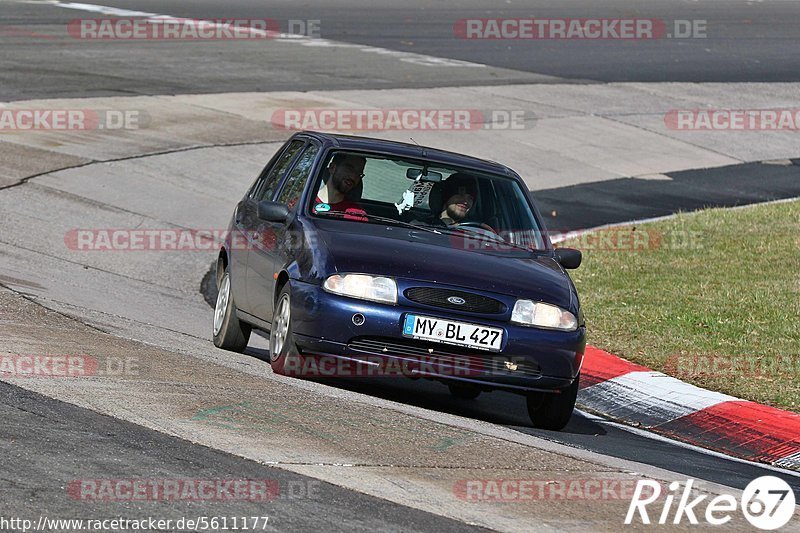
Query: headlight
<point x="543" y="315"/>
<point x="374" y="288"/>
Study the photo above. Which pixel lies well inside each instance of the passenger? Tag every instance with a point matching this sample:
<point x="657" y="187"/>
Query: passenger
<point x="345" y="174"/>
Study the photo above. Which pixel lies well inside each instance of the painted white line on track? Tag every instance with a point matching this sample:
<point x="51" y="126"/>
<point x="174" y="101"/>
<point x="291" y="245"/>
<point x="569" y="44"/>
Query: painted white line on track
<point x="105" y="10"/>
<point x="406" y="57"/>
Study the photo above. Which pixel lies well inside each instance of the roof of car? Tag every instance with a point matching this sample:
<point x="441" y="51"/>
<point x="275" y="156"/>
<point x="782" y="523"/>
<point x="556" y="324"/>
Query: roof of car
<point x="352" y="142"/>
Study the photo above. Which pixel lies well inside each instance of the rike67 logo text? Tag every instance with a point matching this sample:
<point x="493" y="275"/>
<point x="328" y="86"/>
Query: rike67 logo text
<point x="768" y="503"/>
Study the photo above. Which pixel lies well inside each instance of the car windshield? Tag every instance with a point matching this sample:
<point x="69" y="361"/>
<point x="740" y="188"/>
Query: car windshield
<point x="486" y="211"/>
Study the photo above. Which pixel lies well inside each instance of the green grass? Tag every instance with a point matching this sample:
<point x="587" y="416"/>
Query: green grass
<point x="712" y="297"/>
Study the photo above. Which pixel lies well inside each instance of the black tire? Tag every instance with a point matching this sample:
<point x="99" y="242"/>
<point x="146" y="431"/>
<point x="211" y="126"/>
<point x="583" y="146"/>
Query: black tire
<point x="284" y="356"/>
<point x="464" y="391"/>
<point x="229" y="332"/>
<point x="553" y="411"/>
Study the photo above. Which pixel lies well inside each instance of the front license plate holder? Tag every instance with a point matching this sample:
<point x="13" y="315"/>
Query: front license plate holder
<point x="453" y="332"/>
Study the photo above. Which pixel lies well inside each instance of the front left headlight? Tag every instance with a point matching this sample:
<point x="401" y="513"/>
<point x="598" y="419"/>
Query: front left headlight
<point x="363" y="286"/>
<point x="542" y="315"/>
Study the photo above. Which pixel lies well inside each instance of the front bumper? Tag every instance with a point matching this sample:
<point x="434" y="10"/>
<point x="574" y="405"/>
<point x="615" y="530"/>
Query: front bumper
<point x="529" y="358"/>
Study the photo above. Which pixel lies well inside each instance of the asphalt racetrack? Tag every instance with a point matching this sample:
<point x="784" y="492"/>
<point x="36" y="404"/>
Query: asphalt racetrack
<point x="363" y="455"/>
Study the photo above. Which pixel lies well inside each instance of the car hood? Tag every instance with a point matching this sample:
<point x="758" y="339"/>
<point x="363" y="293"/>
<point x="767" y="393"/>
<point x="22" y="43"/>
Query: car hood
<point x="418" y="255"/>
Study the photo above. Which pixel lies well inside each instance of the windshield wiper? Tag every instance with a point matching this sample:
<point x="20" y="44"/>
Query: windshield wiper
<point x="485" y="236"/>
<point x="385" y="220"/>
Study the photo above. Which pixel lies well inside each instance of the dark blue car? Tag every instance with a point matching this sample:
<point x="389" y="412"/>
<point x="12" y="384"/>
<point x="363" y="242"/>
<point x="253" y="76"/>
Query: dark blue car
<point x="377" y="258"/>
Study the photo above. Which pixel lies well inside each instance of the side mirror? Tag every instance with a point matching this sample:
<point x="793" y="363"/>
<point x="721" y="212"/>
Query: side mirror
<point x="569" y="258"/>
<point x="273" y="211"/>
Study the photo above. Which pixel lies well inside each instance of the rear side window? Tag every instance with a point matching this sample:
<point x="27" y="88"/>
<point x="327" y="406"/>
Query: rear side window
<point x="268" y="184"/>
<point x="296" y="181"/>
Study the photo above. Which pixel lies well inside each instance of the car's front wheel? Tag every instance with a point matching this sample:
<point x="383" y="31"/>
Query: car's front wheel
<point x="284" y="356"/>
<point x="553" y="411"/>
<point x="229" y="332"/>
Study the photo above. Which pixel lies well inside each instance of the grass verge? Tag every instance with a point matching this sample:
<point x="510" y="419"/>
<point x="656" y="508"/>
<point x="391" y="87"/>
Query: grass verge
<point x="710" y="297"/>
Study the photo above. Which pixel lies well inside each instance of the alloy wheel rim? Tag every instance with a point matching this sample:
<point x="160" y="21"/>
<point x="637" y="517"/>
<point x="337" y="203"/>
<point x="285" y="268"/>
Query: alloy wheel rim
<point x="281" y="328"/>
<point x="223" y="298"/>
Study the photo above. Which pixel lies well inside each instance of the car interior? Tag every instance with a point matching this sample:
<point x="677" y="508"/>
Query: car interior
<point x="494" y="206"/>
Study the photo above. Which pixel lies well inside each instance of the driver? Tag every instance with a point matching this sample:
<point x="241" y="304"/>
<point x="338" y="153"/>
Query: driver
<point x="458" y="195"/>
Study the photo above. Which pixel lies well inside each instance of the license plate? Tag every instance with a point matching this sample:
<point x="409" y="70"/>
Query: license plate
<point x="451" y="332"/>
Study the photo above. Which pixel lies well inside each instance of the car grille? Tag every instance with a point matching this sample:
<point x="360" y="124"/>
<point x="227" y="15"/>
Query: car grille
<point x="436" y="297"/>
<point x="441" y="355"/>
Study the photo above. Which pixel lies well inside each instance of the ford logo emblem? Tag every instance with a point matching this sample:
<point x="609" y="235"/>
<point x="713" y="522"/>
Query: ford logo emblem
<point x="456" y="300"/>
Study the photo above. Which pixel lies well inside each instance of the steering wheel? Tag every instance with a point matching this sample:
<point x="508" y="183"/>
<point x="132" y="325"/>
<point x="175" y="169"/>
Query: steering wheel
<point x="478" y="225"/>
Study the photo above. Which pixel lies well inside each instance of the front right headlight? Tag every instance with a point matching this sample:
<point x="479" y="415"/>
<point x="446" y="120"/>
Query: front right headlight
<point x="363" y="287"/>
<point x="542" y="315"/>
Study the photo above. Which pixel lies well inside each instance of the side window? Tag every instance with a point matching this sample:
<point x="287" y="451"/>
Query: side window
<point x="269" y="184"/>
<point x="296" y="182"/>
